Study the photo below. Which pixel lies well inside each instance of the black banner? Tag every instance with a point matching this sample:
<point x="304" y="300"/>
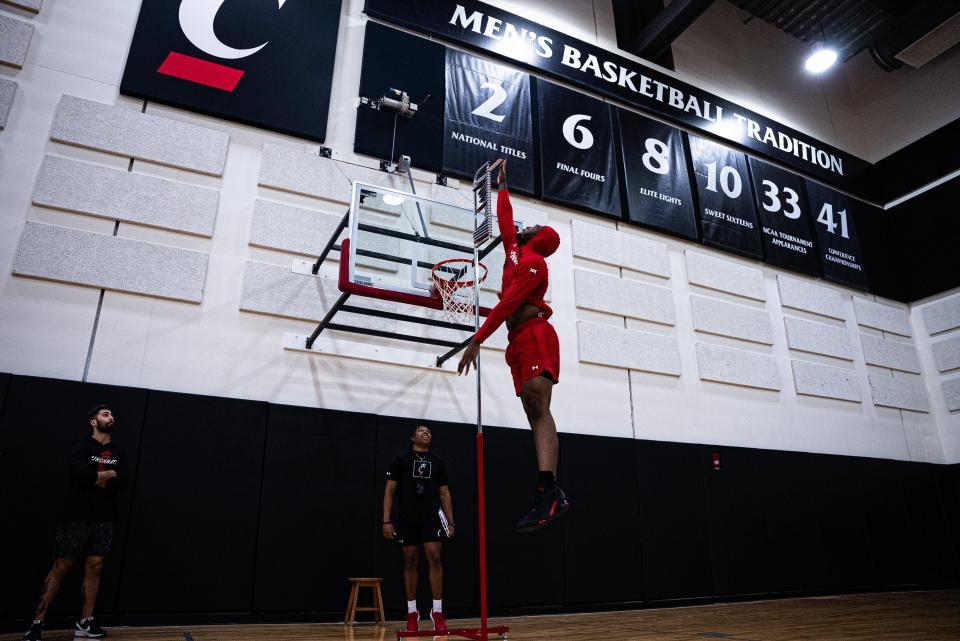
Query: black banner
<point x="655" y="169"/>
<point x="577" y="153"/>
<point x="833" y="218"/>
<point x="788" y="239"/>
<point x="418" y="68"/>
<point x="728" y="218"/>
<point x="268" y="63"/>
<point x="521" y="42"/>
<point x="487" y="116"/>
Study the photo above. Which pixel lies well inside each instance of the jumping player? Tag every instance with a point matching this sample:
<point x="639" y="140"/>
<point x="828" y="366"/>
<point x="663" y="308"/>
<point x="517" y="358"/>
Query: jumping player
<point x="533" y="351"/>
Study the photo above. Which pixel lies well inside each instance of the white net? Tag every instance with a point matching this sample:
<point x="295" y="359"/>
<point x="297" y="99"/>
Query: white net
<point x="453" y="282"/>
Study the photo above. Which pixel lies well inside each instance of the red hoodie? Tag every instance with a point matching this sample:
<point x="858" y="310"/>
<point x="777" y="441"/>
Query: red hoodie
<point x="524" y="269"/>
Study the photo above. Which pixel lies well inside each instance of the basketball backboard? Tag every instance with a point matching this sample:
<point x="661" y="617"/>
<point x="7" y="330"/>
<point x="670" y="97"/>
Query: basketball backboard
<point x="396" y="238"/>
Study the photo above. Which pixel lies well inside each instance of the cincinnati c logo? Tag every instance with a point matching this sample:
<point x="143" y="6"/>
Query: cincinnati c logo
<point x="196" y="22"/>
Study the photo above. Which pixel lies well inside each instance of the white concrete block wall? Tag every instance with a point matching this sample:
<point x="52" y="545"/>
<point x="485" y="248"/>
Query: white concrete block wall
<point x="818" y="338"/>
<point x="718" y="355"/>
<point x="724" y="275"/>
<point x="887" y="318"/>
<point x="126" y="196"/>
<point x="98" y="260"/>
<point x="814" y="379"/>
<point x="92" y="125"/>
<point x="727" y="319"/>
<point x="15" y="37"/>
<point x="30" y="5"/>
<point x="936" y="323"/>
<point x="809" y="296"/>
<point x="8" y="93"/>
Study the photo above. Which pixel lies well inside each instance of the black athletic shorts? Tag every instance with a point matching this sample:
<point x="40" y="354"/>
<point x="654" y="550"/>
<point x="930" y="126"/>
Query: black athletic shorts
<point x="75" y="540"/>
<point x="415" y="534"/>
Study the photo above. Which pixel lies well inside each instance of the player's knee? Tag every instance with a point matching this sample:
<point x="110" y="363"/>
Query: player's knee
<point x="433" y="559"/>
<point x="62" y="566"/>
<point x="533" y="404"/>
<point x="94" y="563"/>
<point x="410" y="560"/>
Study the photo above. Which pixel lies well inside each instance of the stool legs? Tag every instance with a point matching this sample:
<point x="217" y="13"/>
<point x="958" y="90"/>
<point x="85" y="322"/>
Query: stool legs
<point x="351" y="614"/>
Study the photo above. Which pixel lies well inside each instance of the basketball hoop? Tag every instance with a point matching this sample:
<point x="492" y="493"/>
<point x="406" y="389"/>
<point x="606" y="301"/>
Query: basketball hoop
<point x="453" y="281"/>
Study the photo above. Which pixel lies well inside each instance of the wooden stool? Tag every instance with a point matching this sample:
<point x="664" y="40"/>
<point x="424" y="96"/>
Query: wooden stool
<point x="352" y="609"/>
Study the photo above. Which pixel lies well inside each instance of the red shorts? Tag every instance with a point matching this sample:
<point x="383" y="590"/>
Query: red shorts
<point x="533" y="350"/>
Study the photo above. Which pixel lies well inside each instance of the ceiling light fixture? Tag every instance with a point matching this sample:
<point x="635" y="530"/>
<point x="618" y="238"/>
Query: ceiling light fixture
<point x="820" y="60"/>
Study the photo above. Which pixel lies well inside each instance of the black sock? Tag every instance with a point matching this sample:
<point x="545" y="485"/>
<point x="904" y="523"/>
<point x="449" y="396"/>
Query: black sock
<point x="545" y="480"/>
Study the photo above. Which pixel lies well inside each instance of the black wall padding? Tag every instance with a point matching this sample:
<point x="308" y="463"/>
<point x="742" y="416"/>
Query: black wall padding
<point x="315" y="527"/>
<point x="673" y="521"/>
<point x="250" y="511"/>
<point x="4" y="384"/>
<point x="837" y="489"/>
<point x="454" y="443"/>
<point x="601" y="547"/>
<point x="398" y="60"/>
<point x="524" y="570"/>
<point x="42" y="420"/>
<point x="792" y="529"/>
<point x="932" y="553"/>
<point x="193" y="531"/>
<point x="735" y="500"/>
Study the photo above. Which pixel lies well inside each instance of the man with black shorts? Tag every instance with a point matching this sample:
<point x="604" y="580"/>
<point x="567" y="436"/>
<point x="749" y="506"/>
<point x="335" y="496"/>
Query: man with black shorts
<point x="533" y="351"/>
<point x="418" y="478"/>
<point x="98" y="471"/>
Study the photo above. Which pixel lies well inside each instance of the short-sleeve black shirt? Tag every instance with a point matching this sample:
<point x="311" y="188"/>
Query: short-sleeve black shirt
<point x="419" y="476"/>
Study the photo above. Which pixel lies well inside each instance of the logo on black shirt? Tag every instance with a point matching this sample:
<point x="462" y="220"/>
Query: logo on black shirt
<point x="422" y="469"/>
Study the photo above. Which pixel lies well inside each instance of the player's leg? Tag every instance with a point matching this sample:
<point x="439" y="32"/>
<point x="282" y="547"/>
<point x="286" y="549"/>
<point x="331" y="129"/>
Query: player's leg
<point x="536" y="394"/>
<point x="87" y="626"/>
<point x="433" y="551"/>
<point x="536" y="371"/>
<point x="410" y="548"/>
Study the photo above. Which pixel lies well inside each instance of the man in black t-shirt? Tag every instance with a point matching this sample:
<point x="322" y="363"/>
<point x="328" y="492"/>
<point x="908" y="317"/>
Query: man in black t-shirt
<point x="418" y="478"/>
<point x="98" y="471"/>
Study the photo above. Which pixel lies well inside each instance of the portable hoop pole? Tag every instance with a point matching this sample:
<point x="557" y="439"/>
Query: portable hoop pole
<point x="481" y="633"/>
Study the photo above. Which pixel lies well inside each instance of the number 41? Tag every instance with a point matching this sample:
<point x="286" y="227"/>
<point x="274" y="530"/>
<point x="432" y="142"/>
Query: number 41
<point x="826" y="217"/>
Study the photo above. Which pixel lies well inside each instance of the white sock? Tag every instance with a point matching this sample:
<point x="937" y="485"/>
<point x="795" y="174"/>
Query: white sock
<point x="411" y="606"/>
<point x="438" y="605"/>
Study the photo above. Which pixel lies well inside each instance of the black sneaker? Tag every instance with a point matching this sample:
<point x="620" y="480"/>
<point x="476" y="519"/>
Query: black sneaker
<point x="548" y="506"/>
<point x="35" y="633"/>
<point x="89" y="629"/>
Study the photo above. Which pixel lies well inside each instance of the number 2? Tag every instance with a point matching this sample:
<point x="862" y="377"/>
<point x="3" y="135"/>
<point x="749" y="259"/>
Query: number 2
<point x="498" y="97"/>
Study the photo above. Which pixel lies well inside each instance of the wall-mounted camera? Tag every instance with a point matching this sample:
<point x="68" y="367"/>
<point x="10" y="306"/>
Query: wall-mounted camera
<point x="395" y="100"/>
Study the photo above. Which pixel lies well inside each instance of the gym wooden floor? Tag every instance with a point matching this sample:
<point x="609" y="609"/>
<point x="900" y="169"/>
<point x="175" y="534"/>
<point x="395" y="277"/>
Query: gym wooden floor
<point x="905" y="616"/>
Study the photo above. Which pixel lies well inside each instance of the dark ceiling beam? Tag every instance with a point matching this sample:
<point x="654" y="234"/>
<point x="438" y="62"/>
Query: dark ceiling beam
<point x="810" y="10"/>
<point x="666" y="27"/>
<point x="918" y="22"/>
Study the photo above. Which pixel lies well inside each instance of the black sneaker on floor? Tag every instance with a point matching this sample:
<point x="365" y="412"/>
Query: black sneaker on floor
<point x="547" y="507"/>
<point x="89" y="629"/>
<point x="35" y="633"/>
